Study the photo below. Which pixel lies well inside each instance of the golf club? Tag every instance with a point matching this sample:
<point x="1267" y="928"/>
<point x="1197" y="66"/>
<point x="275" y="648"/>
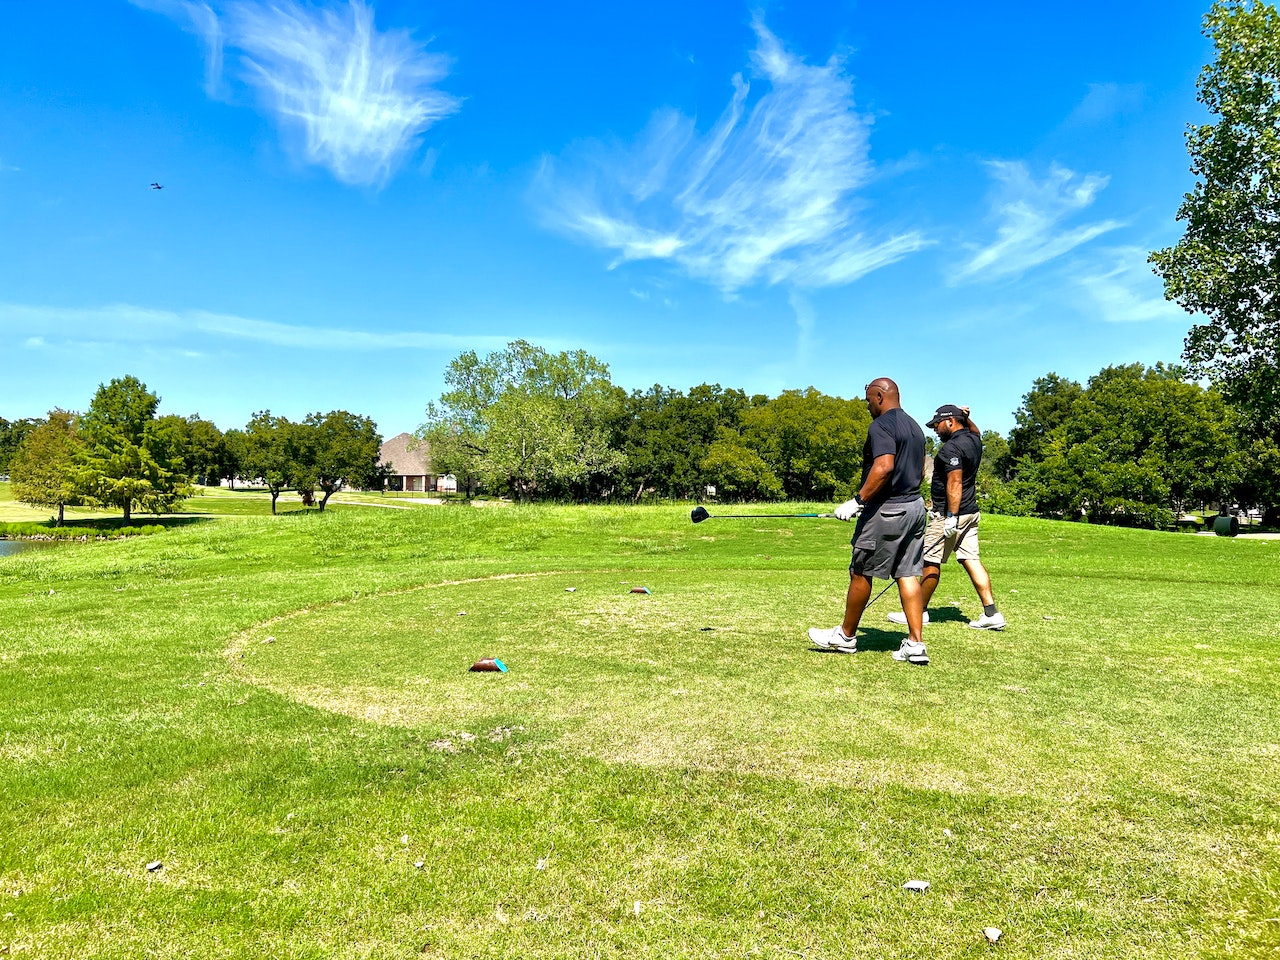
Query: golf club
<point x="700" y="513"/>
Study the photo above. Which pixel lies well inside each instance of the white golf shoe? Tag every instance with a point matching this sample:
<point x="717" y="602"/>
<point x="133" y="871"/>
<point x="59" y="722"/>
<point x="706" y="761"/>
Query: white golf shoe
<point x="993" y="622"/>
<point x="897" y="616"/>
<point x="833" y="639"/>
<point x="912" y="652"/>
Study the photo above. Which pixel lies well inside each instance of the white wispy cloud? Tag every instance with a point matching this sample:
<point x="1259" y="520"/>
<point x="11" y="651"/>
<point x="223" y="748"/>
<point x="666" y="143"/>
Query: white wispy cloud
<point x="1105" y="101"/>
<point x="1122" y="289"/>
<point x="346" y="96"/>
<point x="1031" y="215"/>
<point x="768" y="194"/>
<point x="43" y="326"/>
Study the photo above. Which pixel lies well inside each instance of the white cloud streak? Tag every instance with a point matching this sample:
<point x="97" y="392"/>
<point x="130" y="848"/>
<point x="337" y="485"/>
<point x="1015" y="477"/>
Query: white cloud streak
<point x="1122" y="289"/>
<point x="45" y="326"/>
<point x="346" y="96"/>
<point x="1030" y="214"/>
<point x="1105" y="102"/>
<point x="766" y="195"/>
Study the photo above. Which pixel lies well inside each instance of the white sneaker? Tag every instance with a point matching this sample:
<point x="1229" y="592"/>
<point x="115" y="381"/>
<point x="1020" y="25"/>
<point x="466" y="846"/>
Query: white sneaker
<point x="899" y="617"/>
<point x="912" y="652"/>
<point x="833" y="639"/>
<point x="993" y="622"/>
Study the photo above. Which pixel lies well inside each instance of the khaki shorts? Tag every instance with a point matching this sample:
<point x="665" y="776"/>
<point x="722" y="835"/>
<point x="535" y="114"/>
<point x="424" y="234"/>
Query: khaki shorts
<point x="964" y="544"/>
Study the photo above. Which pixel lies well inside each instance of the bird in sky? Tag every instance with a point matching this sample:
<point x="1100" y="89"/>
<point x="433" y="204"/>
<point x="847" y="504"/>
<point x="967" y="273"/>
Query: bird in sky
<point x="157" y="186"/>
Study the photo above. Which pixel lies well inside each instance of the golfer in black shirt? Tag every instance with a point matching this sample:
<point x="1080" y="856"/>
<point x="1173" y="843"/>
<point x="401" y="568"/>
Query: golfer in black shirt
<point x="888" y="541"/>
<point x="953" y="521"/>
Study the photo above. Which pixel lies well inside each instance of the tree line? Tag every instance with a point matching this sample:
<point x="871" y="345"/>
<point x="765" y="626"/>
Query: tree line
<point x="119" y="455"/>
<point x="1135" y="445"/>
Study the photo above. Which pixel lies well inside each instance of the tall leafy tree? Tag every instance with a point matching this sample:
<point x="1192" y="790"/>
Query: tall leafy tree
<point x="11" y="437"/>
<point x="43" y="470"/>
<point x="811" y="442"/>
<point x="524" y="420"/>
<point x="1048" y="404"/>
<point x="1226" y="267"/>
<point x="123" y="464"/>
<point x="338" y="449"/>
<point x="196" y="445"/>
<point x="269" y="453"/>
<point x="1135" y="446"/>
<point x="666" y="436"/>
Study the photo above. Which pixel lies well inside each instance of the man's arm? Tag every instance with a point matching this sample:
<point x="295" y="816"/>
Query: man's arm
<point x="877" y="477"/>
<point x="955" y="484"/>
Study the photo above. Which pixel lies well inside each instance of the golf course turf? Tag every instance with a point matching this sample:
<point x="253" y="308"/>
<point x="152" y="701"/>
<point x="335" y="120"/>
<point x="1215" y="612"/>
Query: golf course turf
<point x="276" y="715"/>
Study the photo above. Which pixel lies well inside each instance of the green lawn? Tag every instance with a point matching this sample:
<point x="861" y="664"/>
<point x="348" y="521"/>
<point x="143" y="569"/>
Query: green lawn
<point x="279" y="711"/>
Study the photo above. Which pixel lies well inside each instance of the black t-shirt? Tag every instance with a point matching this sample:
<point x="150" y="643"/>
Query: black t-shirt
<point x="896" y="433"/>
<point x="962" y="451"/>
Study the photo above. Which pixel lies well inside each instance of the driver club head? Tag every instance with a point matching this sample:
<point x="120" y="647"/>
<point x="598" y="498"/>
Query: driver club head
<point x="699" y="514"/>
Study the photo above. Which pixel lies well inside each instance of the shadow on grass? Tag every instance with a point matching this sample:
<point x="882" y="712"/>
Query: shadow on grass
<point x="947" y="615"/>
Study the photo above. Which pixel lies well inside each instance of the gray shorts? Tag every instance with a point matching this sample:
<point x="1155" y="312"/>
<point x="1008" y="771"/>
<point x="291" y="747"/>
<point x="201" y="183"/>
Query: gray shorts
<point x="888" y="544"/>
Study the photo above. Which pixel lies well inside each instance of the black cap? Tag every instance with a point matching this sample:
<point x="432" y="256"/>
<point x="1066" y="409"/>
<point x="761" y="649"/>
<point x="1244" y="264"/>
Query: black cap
<point x="944" y="412"/>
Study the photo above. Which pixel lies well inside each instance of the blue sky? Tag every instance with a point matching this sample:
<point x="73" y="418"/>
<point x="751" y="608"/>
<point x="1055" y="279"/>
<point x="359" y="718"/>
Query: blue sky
<point x="958" y="196"/>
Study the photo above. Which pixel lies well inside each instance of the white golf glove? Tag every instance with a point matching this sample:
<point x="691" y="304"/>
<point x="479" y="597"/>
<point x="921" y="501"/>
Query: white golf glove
<point x="949" y="525"/>
<point x="849" y="509"/>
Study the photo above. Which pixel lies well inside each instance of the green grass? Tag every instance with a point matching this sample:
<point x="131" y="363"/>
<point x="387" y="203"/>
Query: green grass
<point x="279" y="710"/>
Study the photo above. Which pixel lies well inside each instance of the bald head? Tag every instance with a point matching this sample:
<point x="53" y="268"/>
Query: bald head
<point x="882" y="395"/>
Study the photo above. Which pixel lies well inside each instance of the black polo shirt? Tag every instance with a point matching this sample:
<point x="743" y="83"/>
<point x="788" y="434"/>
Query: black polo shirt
<point x="962" y="451"/>
<point x="896" y="433"/>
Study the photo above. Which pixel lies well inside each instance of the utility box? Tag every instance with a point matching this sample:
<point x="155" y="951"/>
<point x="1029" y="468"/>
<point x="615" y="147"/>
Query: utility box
<point x="1226" y="526"/>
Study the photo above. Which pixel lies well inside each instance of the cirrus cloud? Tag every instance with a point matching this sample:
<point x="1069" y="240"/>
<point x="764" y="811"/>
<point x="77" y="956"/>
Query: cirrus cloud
<point x="345" y="95"/>
<point x="768" y="195"/>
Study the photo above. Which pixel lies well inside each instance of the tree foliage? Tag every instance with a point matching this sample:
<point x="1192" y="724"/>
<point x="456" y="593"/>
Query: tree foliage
<point x="268" y="453"/>
<point x="43" y="470"/>
<point x="810" y="441"/>
<point x="666" y="437"/>
<point x="123" y="463"/>
<point x="11" y="436"/>
<point x="1135" y="446"/>
<point x="336" y="450"/>
<point x="525" y="421"/>
<point x="1227" y="264"/>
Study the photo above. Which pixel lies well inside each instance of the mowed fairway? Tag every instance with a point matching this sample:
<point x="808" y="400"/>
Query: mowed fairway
<point x="279" y="711"/>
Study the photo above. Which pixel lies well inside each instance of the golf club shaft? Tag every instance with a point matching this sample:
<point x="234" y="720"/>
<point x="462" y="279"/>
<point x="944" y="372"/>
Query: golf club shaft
<point x="763" y="516"/>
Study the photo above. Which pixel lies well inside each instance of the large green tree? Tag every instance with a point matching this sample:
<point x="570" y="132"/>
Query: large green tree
<point x="811" y="442"/>
<point x="123" y="464"/>
<point x="1226" y="267"/>
<point x="197" y="445"/>
<point x="525" y="421"/>
<point x="268" y="450"/>
<point x="338" y="449"/>
<point x="11" y="437"/>
<point x="43" y="469"/>
<point x="1135" y="446"/>
<point x="667" y="435"/>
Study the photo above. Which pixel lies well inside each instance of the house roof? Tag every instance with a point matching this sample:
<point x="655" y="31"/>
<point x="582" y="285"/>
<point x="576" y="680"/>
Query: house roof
<point x="403" y="461"/>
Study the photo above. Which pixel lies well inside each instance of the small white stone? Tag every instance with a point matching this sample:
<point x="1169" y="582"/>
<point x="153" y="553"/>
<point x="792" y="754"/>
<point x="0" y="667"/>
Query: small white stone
<point x="155" y="865"/>
<point x="916" y="886"/>
<point x="419" y="864"/>
<point x="991" y="933"/>
<point x="570" y="589"/>
<point x="946" y="832"/>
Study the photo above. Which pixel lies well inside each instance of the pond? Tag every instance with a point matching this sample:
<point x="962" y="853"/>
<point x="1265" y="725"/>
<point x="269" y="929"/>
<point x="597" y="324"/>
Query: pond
<point x="9" y="547"/>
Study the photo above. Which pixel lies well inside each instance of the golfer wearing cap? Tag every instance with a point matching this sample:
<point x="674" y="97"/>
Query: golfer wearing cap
<point x="953" y="521"/>
<point x="888" y="541"/>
